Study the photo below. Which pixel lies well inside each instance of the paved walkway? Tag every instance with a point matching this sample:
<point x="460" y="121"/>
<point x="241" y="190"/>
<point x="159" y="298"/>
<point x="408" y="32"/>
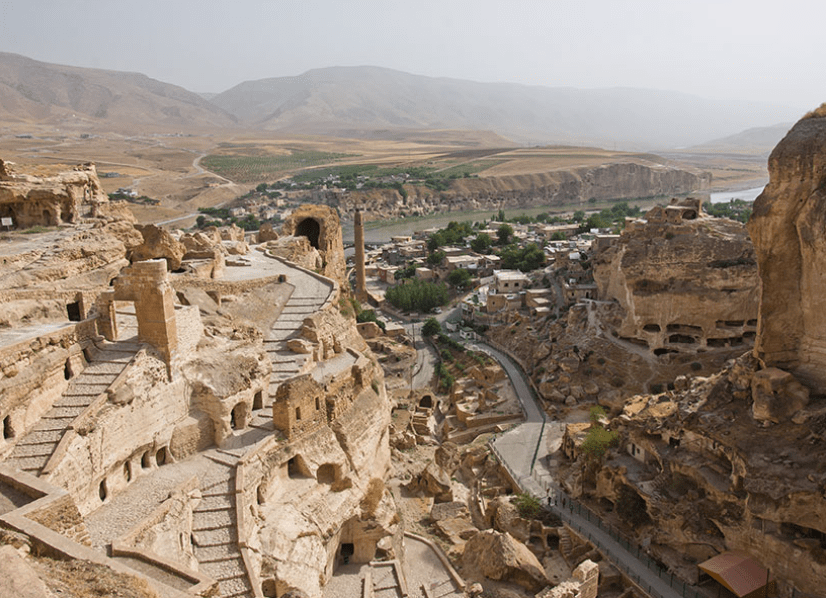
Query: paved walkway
<point x="517" y="448"/>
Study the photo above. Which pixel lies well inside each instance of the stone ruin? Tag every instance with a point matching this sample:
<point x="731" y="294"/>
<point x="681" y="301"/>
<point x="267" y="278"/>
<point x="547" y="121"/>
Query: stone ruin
<point x="226" y="377"/>
<point x="62" y="198"/>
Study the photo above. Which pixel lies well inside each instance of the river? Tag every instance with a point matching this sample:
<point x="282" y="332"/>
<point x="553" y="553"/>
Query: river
<point x="744" y="194"/>
<point x="376" y="232"/>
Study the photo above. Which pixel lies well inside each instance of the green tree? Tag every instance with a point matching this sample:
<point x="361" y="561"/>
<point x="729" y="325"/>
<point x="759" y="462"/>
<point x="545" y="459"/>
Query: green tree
<point x="482" y="243"/>
<point x="459" y="278"/>
<point x="501" y="215"/>
<point x="504" y="234"/>
<point x="596" y="443"/>
<point x="528" y="505"/>
<point x="436" y="258"/>
<point x="526" y="258"/>
<point x="417" y="295"/>
<point x="431" y="327"/>
<point x="368" y="315"/>
<point x="579" y="216"/>
<point x="596" y="221"/>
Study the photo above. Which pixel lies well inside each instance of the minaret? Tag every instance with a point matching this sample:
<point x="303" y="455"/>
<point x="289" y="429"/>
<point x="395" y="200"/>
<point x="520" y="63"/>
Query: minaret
<point x="361" y="286"/>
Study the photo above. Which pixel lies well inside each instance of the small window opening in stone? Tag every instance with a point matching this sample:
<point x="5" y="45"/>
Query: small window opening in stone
<point x="67" y="370"/>
<point x="102" y="490"/>
<point x="317" y="404"/>
<point x="127" y="471"/>
<point x="73" y="311"/>
<point x="8" y="431"/>
<point x="160" y="456"/>
<point x="298" y="413"/>
<point x="146" y="460"/>
<point x="258" y="400"/>
<point x="260" y="495"/>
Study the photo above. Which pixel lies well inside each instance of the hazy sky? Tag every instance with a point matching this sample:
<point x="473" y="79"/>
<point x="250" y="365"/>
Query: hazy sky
<point x="729" y="49"/>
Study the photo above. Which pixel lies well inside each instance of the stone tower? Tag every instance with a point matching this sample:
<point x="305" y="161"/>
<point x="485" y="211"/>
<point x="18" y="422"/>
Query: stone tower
<point x="361" y="286"/>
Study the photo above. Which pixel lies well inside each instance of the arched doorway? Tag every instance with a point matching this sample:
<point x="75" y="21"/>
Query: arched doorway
<point x="426" y="402"/>
<point x="310" y="228"/>
<point x="238" y="416"/>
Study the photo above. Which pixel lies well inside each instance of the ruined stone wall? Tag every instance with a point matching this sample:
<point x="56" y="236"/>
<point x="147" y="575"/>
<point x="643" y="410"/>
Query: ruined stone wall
<point x="787" y="227"/>
<point x="142" y="421"/>
<point x="299" y="407"/>
<point x="320" y="224"/>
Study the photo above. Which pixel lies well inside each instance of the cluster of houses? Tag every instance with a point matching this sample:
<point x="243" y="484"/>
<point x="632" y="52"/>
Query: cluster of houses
<point x="565" y="279"/>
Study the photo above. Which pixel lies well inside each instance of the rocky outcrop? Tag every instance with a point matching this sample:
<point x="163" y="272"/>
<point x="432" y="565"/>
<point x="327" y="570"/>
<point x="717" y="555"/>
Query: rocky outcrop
<point x="682" y="284"/>
<point x="787" y="227"/>
<point x="159" y="243"/>
<point x="49" y="200"/>
<point x="499" y="556"/>
<point x="624" y="180"/>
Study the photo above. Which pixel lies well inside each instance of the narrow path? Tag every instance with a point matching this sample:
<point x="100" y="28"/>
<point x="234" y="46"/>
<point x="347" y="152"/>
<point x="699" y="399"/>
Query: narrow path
<point x="516" y="451"/>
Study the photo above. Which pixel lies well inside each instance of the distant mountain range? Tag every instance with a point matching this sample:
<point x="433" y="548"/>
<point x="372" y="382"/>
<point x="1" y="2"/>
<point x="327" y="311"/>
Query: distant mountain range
<point x="376" y="102"/>
<point x="39" y="92"/>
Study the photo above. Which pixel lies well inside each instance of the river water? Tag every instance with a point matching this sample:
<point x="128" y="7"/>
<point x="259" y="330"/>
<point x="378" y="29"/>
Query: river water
<point x="744" y="194"/>
<point x="382" y="233"/>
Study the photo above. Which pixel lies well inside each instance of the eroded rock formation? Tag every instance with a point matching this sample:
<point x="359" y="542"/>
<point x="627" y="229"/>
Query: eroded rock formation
<point x="734" y="460"/>
<point x="787" y="229"/>
<point x="682" y="283"/>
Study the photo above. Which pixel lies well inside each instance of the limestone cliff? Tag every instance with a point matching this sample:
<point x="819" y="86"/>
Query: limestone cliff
<point x="48" y="200"/>
<point x="623" y="180"/>
<point x="734" y="461"/>
<point x="787" y="229"/>
<point x="683" y="285"/>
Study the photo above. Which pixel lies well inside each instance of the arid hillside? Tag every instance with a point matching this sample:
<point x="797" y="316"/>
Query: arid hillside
<point x="39" y="92"/>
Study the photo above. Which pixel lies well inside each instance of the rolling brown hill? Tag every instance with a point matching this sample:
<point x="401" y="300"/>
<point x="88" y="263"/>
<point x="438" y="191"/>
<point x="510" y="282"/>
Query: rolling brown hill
<point x="39" y="92"/>
<point x="358" y="101"/>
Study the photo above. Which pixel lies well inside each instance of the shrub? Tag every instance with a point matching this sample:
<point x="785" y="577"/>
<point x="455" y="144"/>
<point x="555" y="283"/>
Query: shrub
<point x="528" y="505"/>
<point x="597" y="441"/>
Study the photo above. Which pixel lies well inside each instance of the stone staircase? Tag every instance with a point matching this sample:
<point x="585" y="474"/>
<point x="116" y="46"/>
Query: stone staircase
<point x="286" y="363"/>
<point x="214" y="525"/>
<point x="106" y="362"/>
<point x="566" y="546"/>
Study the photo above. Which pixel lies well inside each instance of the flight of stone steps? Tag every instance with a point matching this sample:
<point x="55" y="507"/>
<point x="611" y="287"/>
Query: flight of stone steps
<point x="286" y="363"/>
<point x="214" y="526"/>
<point x="385" y="580"/>
<point x="32" y="452"/>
